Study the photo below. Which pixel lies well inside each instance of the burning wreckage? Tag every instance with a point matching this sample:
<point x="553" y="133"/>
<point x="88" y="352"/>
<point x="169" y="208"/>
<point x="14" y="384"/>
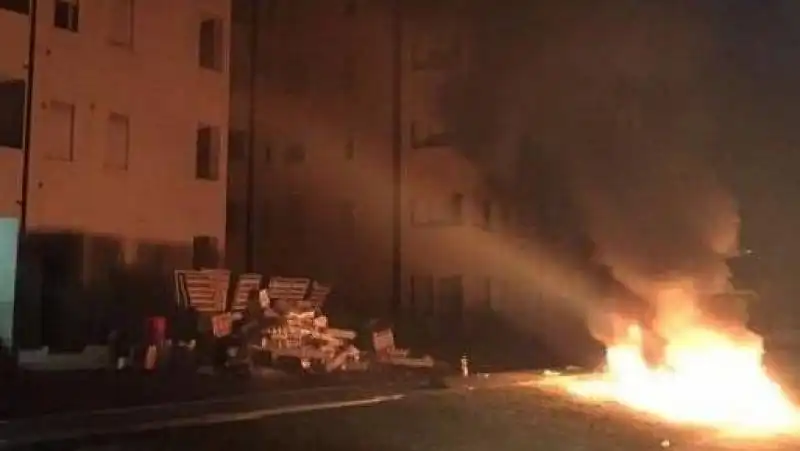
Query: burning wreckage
<point x="280" y="322"/>
<point x="693" y="362"/>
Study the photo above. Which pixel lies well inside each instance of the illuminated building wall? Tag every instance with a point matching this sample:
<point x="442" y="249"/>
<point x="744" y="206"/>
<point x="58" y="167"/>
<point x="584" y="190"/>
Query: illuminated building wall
<point x="128" y="141"/>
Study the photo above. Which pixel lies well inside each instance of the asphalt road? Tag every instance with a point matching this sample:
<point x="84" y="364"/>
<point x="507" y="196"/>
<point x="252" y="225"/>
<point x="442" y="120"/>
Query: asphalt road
<point x="509" y="418"/>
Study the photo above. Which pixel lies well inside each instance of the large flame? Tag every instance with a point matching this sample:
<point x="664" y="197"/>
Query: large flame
<point x="707" y="376"/>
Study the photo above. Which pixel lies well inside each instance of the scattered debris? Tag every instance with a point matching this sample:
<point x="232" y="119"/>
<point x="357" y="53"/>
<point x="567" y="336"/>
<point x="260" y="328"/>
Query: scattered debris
<point x="386" y="352"/>
<point x="291" y="322"/>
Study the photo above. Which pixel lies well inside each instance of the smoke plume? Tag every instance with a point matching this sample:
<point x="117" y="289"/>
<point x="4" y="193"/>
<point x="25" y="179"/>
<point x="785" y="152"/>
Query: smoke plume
<point x="610" y="108"/>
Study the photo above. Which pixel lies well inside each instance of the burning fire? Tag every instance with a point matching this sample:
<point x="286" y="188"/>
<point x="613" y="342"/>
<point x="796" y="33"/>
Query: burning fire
<point x="707" y="377"/>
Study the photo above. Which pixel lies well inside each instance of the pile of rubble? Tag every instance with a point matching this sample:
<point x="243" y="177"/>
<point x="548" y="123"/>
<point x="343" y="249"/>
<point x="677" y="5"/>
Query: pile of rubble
<point x="296" y="326"/>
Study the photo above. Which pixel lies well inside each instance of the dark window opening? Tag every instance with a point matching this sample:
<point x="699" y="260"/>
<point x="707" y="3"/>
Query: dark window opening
<point x="211" y="44"/>
<point x="204" y="252"/>
<point x="67" y="13"/>
<point x="206" y="167"/>
<point x="17" y="6"/>
<point x="12" y="113"/>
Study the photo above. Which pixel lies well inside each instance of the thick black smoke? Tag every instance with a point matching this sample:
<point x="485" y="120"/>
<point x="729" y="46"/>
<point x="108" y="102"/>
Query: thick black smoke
<point x="608" y="113"/>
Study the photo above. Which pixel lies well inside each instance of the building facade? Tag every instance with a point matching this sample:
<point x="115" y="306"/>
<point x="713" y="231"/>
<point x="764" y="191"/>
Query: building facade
<point x="330" y="102"/>
<point x="127" y="145"/>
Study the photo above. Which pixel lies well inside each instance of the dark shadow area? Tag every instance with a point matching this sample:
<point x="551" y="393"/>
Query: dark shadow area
<point x="77" y="288"/>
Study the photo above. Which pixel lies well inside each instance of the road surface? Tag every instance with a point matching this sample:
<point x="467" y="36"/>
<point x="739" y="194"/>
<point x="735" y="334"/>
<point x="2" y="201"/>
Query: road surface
<point x="508" y="418"/>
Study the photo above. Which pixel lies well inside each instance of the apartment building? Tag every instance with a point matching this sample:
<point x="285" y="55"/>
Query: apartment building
<point x="319" y="151"/>
<point x="129" y="113"/>
<point x="313" y="155"/>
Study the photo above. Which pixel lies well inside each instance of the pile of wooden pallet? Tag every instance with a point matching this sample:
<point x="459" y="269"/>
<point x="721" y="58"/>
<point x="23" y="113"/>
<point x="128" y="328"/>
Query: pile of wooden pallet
<point x="304" y="332"/>
<point x="300" y="331"/>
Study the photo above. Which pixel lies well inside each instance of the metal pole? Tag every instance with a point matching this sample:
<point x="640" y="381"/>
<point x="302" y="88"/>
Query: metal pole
<point x="26" y="140"/>
<point x="397" y="155"/>
<point x="251" y="144"/>
<point x="25" y="176"/>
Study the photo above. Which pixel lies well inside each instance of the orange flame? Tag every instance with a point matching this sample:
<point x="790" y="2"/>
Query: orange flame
<point x="707" y="378"/>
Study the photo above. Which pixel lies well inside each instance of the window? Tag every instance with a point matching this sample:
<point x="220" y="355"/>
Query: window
<point x="17" y="6"/>
<point x="210" y="44"/>
<point x="205" y="252"/>
<point x="67" y="13"/>
<point x="207" y="153"/>
<point x="121" y="22"/>
<point x="62" y="132"/>
<point x="12" y="113"/>
<point x="295" y="154"/>
<point x="118" y="144"/>
<point x="237" y="145"/>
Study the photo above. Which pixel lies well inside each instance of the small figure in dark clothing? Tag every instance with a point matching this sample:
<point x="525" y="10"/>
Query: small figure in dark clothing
<point x="246" y="333"/>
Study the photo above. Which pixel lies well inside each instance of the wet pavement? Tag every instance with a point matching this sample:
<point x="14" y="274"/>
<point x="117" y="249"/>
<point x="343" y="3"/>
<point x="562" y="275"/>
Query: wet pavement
<point x="490" y="418"/>
<point x="34" y="394"/>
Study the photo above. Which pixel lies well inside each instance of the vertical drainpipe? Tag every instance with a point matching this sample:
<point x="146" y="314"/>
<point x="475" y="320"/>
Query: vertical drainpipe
<point x="26" y="143"/>
<point x="397" y="155"/>
<point x="250" y="196"/>
<point x="26" y="164"/>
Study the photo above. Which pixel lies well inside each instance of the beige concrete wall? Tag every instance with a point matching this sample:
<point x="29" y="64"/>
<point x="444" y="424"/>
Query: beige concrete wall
<point x="158" y="84"/>
<point x="14" y="35"/>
